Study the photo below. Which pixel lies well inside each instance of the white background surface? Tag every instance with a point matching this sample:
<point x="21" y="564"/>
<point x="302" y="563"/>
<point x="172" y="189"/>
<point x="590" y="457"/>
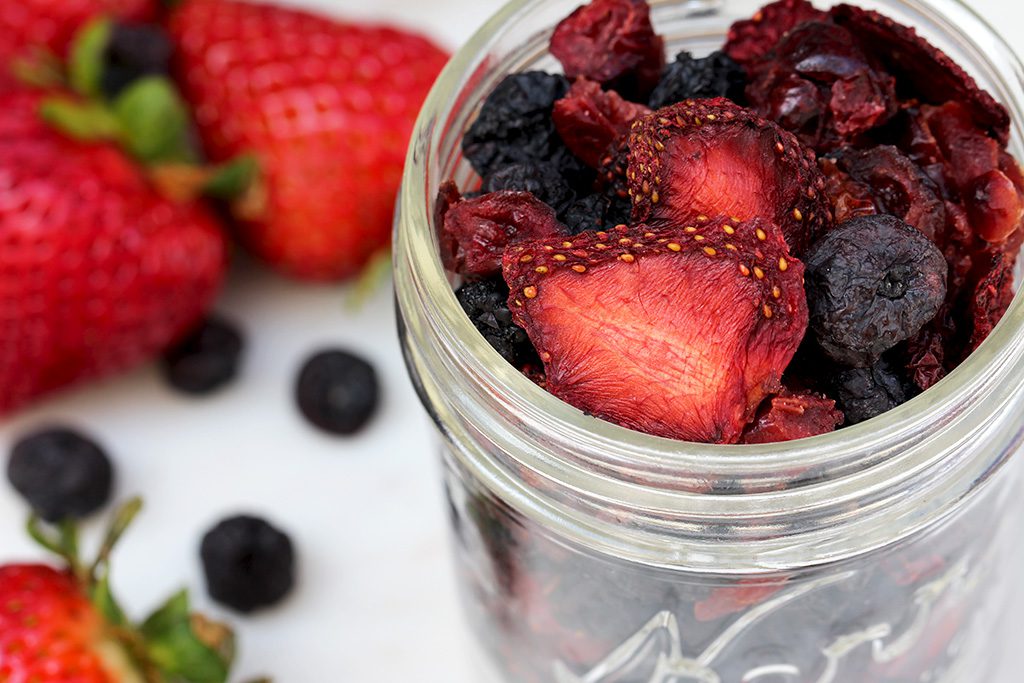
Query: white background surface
<point x="376" y="601"/>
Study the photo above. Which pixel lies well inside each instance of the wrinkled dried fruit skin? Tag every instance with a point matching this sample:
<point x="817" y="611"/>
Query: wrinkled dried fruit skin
<point x="476" y="231"/>
<point x="994" y="206"/>
<point x="849" y="198"/>
<point x="926" y="354"/>
<point x="754" y="38"/>
<point x="515" y="126"/>
<point x="991" y="298"/>
<point x="819" y="84"/>
<point x="792" y="416"/>
<point x="611" y="42"/>
<point x="899" y="187"/>
<point x="712" y="158"/>
<point x="690" y="78"/>
<point x="674" y="332"/>
<point x="595" y="212"/>
<point x="543" y="181"/>
<point x="486" y="304"/>
<point x="924" y="72"/>
<point x="966" y="151"/>
<point x="590" y="119"/>
<point x="864" y="393"/>
<point x="872" y="283"/>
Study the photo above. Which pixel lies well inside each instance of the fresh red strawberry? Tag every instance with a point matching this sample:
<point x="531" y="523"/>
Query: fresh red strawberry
<point x="62" y="625"/>
<point x="677" y="332"/>
<point x="751" y="39"/>
<point x="476" y="231"/>
<point x="790" y="416"/>
<point x="590" y="119"/>
<point x="328" y="108"/>
<point x="51" y="24"/>
<point x="97" y="272"/>
<point x="712" y="158"/>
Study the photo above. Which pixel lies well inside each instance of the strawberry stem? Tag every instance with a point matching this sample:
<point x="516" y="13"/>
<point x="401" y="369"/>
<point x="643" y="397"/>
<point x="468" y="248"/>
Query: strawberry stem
<point x="123" y="518"/>
<point x="62" y="540"/>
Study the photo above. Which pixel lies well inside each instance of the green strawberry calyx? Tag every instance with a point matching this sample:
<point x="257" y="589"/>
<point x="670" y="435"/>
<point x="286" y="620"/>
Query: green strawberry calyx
<point x="173" y="644"/>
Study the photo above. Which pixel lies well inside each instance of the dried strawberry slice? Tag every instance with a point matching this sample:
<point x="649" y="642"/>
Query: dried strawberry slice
<point x="476" y="231"/>
<point x="931" y="74"/>
<point x="753" y="38"/>
<point x="791" y="416"/>
<point x="677" y="332"/>
<point x="612" y="42"/>
<point x="590" y="119"/>
<point x="711" y="158"/>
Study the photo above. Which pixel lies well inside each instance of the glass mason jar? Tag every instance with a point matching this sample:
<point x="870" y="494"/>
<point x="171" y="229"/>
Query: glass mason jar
<point x="589" y="553"/>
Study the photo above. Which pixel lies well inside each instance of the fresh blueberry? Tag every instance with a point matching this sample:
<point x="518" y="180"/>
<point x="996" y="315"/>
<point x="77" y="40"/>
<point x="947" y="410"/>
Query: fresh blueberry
<point x="206" y="360"/>
<point x="248" y="563"/>
<point x="338" y="391"/>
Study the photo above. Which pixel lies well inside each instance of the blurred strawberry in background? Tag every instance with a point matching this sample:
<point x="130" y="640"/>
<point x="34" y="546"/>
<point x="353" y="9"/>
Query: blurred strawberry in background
<point x="326" y="107"/>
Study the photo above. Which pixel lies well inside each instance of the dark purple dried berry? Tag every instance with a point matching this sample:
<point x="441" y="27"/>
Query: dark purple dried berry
<point x="61" y="474"/>
<point x="689" y="77"/>
<point x="486" y="304"/>
<point x="514" y="124"/>
<point x="337" y="391"/>
<point x="206" y="360"/>
<point x="596" y="212"/>
<point x="871" y="283"/>
<point x="248" y="563"/>
<point x="543" y="181"/>
<point x="864" y="393"/>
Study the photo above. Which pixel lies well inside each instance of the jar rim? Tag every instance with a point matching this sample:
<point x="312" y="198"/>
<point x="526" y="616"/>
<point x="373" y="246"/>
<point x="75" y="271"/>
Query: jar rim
<point x="607" y="460"/>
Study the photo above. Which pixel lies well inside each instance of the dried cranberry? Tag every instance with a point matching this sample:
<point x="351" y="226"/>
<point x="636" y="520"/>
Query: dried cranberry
<point x="871" y="283"/>
<point x="590" y="119"/>
<point x="791" y="416"/>
<point x="751" y="39"/>
<point x="611" y="42"/>
<point x="991" y="297"/>
<point x="850" y="198"/>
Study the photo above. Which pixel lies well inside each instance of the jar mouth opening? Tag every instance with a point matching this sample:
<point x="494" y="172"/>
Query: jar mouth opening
<point x="846" y="450"/>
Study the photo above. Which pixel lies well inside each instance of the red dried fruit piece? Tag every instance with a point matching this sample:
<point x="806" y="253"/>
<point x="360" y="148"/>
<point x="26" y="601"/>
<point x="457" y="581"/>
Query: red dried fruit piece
<point x="849" y="198"/>
<point x="926" y="354"/>
<point x="791" y="416"/>
<point x="712" y="158"/>
<point x="751" y="39"/>
<point x="476" y="231"/>
<point x="820" y="85"/>
<point x="991" y="297"/>
<point x="930" y="74"/>
<point x="590" y="119"/>
<point x="994" y="205"/>
<point x="729" y="600"/>
<point x="899" y="187"/>
<point x="678" y="333"/>
<point x="611" y="42"/>
<point x="966" y="152"/>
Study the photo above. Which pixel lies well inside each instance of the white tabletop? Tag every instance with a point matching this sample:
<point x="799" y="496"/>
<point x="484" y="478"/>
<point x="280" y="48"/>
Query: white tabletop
<point x="376" y="601"/>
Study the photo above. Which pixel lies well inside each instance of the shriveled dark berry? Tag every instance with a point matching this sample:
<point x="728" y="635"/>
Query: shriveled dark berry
<point x="871" y="283"/>
<point x="248" y="563"/>
<point x="486" y="304"/>
<point x="61" y="474"/>
<point x="134" y="51"/>
<point x="337" y="391"/>
<point x="542" y="180"/>
<point x="206" y="360"/>
<point x="689" y="77"/>
<point x="514" y="124"/>
<point x="864" y="393"/>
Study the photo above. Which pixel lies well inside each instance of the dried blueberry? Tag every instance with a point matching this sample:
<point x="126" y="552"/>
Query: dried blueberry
<point x="61" y="474"/>
<point x="864" y="393"/>
<point x="871" y="283"/>
<point x="206" y="360"/>
<point x="544" y="181"/>
<point x="689" y="77"/>
<point x="337" y="391"/>
<point x="486" y="304"/>
<point x="596" y="212"/>
<point x="514" y="124"/>
<point x="134" y="51"/>
<point x="248" y="563"/>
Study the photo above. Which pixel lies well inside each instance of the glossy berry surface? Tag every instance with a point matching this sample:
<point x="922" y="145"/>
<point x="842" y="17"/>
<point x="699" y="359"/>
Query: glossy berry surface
<point x="61" y="474"/>
<point x="486" y="304"/>
<point x="134" y="51"/>
<point x="872" y="283"/>
<point x="248" y="563"/>
<point x="689" y="77"/>
<point x="337" y="391"/>
<point x="206" y="360"/>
